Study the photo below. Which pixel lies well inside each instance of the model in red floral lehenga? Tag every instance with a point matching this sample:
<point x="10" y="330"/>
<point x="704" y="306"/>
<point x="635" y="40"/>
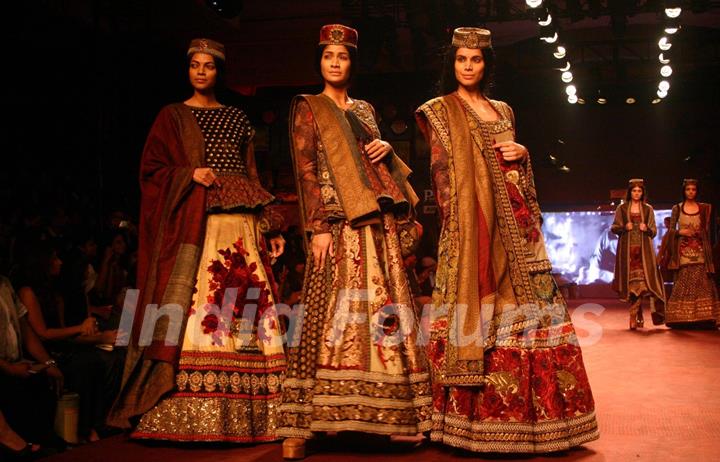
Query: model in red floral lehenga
<point x="508" y="374"/>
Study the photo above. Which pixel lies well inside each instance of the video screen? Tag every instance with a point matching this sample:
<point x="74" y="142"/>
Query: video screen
<point x="581" y="246"/>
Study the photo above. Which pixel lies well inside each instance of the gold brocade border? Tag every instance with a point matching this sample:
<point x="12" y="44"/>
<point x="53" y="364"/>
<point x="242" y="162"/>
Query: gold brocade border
<point x="261" y="364"/>
<point x="370" y="427"/>
<point x="368" y="376"/>
<point x="539" y="266"/>
<point x="514" y="436"/>
<point x="179" y="418"/>
<point x="445" y="293"/>
<point x="380" y="403"/>
<point x="228" y="382"/>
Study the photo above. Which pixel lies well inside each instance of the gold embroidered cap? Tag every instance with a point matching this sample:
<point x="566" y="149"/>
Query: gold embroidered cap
<point x="337" y="34"/>
<point x="636" y="182"/>
<point x="211" y="47"/>
<point x="471" y="37"/>
<point x="689" y="181"/>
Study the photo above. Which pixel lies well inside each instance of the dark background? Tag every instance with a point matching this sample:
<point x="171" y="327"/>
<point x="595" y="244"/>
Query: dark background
<point x="85" y="80"/>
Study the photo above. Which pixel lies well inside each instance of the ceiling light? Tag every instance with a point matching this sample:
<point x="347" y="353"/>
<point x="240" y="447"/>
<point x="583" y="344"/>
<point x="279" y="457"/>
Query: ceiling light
<point x="671" y="13"/>
<point x="664" y="44"/>
<point x="546" y="21"/>
<point x="552" y="39"/>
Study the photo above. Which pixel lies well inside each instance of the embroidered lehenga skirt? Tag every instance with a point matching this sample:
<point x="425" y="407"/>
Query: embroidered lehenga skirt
<point x="355" y="363"/>
<point x="694" y="297"/>
<point x="232" y="361"/>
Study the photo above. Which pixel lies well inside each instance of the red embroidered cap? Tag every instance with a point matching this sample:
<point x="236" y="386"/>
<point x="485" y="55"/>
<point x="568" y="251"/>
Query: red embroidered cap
<point x="337" y="34"/>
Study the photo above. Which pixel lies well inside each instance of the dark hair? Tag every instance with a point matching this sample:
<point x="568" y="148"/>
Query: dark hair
<point x="448" y="83"/>
<point x="219" y="87"/>
<point x="628" y="195"/>
<point x="354" y="63"/>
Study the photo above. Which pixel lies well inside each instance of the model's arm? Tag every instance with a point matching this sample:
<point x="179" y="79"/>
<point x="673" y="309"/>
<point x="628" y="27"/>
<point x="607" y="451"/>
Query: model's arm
<point x="305" y="158"/>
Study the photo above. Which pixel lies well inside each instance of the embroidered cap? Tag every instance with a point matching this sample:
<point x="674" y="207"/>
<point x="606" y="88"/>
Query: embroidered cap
<point x="636" y="182"/>
<point x="337" y="34"/>
<point x="689" y="181"/>
<point x="471" y="37"/>
<point x="211" y="47"/>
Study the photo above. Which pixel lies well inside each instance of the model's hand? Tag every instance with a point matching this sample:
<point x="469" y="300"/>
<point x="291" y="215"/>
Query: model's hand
<point x="322" y="246"/>
<point x="377" y="150"/>
<point x="512" y="151"/>
<point x="277" y="244"/>
<point x="629" y="226"/>
<point x="643" y="227"/>
<point x="204" y="176"/>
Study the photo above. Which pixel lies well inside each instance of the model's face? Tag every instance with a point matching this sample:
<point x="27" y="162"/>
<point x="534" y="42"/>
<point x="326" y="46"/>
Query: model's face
<point x="202" y="72"/>
<point x="469" y="67"/>
<point x="335" y="65"/>
<point x="690" y="192"/>
<point x="636" y="193"/>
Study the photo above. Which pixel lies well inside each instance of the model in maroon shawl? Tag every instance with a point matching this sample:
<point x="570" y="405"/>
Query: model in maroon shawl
<point x="200" y="233"/>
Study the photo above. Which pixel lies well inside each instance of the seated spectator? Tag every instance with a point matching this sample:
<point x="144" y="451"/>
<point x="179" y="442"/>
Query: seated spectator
<point x="28" y="385"/>
<point x="115" y="269"/>
<point x="91" y="372"/>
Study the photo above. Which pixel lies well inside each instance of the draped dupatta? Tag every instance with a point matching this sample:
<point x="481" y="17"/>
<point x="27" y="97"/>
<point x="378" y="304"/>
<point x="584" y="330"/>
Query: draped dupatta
<point x="172" y="224"/>
<point x="360" y="202"/>
<point x="485" y="286"/>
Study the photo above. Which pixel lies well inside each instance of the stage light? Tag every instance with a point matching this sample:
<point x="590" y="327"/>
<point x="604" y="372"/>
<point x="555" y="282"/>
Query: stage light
<point x="560" y="52"/>
<point x="672" y="13"/>
<point x="601" y="100"/>
<point x="666" y="71"/>
<point x="552" y="39"/>
<point x="567" y="77"/>
<point x="564" y="169"/>
<point x="533" y="3"/>
<point x="630" y="100"/>
<point x="571" y="90"/>
<point x="663" y="44"/>
<point x="663" y="59"/>
<point x="671" y="30"/>
<point x="656" y="100"/>
<point x="566" y="68"/>
<point x="664" y="85"/>
<point x="581" y="101"/>
<point x="546" y="21"/>
<point x="662" y="94"/>
<point x="572" y="99"/>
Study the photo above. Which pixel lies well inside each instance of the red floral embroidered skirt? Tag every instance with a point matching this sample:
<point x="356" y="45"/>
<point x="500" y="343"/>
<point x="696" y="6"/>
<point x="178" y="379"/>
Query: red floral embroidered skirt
<point x="232" y="362"/>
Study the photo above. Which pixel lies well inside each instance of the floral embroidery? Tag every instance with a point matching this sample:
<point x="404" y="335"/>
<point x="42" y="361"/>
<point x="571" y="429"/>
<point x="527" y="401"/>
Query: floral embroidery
<point x="233" y="272"/>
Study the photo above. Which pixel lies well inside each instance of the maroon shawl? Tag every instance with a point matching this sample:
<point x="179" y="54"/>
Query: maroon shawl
<point x="172" y="223"/>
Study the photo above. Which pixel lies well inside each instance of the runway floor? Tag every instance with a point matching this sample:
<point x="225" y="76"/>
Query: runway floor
<point x="657" y="394"/>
